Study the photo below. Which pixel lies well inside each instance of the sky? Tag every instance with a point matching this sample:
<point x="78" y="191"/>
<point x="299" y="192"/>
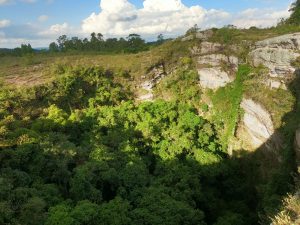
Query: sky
<point x="40" y="22"/>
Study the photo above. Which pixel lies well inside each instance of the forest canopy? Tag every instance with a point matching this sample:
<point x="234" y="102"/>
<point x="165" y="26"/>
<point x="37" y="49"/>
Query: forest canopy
<point x="80" y="151"/>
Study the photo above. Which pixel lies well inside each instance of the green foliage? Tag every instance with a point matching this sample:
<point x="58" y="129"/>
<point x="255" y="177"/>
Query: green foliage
<point x="60" y="215"/>
<point x="132" y="44"/>
<point x="79" y="151"/>
<point x="226" y="35"/>
<point x="294" y="19"/>
<point x="182" y="85"/>
<point x="226" y="103"/>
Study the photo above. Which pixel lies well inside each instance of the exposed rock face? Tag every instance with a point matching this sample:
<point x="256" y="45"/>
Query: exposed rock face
<point x="206" y="48"/>
<point x="278" y="60"/>
<point x="211" y="70"/>
<point x="277" y="54"/>
<point x="257" y="123"/>
<point x="213" y="78"/>
<point x="204" y="35"/>
<point x="209" y="47"/>
<point x="154" y="77"/>
<point x="288" y="41"/>
<point x="218" y="60"/>
<point x="188" y="38"/>
<point x="275" y="84"/>
<point x="195" y="50"/>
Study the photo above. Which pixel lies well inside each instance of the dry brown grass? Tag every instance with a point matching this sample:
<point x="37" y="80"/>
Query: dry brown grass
<point x="290" y="214"/>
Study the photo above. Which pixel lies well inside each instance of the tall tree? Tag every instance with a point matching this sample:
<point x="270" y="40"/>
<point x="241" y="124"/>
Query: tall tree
<point x="295" y="16"/>
<point x="53" y="47"/>
<point x="62" y="42"/>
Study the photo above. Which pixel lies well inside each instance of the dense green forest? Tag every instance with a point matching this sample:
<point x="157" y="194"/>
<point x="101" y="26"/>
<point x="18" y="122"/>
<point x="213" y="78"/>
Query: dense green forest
<point x="80" y="151"/>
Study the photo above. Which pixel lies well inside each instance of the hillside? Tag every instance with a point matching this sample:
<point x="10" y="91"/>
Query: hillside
<point x="203" y="129"/>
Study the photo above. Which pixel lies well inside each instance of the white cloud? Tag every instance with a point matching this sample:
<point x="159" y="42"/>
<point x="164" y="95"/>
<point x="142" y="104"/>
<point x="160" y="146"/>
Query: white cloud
<point x="5" y="2"/>
<point x="259" y="17"/>
<point x="56" y="30"/>
<point x="4" y="23"/>
<point x="43" y="18"/>
<point x="119" y="17"/>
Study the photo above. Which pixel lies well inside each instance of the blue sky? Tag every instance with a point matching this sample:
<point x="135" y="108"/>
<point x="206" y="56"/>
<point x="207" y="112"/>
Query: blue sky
<point x="40" y="21"/>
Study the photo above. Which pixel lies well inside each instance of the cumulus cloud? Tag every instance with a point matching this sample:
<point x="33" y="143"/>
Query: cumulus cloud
<point x="56" y="30"/>
<point x="259" y="17"/>
<point x="4" y="23"/>
<point x="120" y="17"/>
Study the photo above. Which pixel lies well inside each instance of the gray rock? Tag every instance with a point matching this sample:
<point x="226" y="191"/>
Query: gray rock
<point x="148" y="85"/>
<point x="277" y="54"/>
<point x="278" y="60"/>
<point x="204" y="35"/>
<point x="154" y="77"/>
<point x="219" y="59"/>
<point x="213" y="78"/>
<point x="288" y="41"/>
<point x="195" y="50"/>
<point x="211" y="70"/>
<point x="257" y="123"/>
<point x="146" y="97"/>
<point x="274" y="83"/>
<point x="209" y="47"/>
<point x="188" y="38"/>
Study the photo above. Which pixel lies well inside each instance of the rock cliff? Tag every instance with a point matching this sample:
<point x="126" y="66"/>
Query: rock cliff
<point x="277" y="54"/>
<point x="257" y="123"/>
<point x="216" y="70"/>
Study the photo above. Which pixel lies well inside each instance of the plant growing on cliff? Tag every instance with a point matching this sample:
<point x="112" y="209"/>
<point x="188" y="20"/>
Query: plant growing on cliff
<point x="226" y="103"/>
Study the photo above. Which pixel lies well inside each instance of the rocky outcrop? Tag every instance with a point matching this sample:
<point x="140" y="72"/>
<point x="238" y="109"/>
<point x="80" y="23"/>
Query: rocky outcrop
<point x="187" y="38"/>
<point x="277" y="54"/>
<point x="213" y="78"/>
<point x="153" y="78"/>
<point x="216" y="70"/>
<point x="218" y="60"/>
<point x="288" y="41"/>
<point x="257" y="123"/>
<point x="278" y="60"/>
<point x="203" y="36"/>
<point x="206" y="48"/>
<point x="274" y="83"/>
<point x="209" y="47"/>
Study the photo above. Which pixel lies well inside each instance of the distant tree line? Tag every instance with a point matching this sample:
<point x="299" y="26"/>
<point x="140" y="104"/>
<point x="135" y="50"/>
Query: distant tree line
<point x="25" y="49"/>
<point x="96" y="43"/>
